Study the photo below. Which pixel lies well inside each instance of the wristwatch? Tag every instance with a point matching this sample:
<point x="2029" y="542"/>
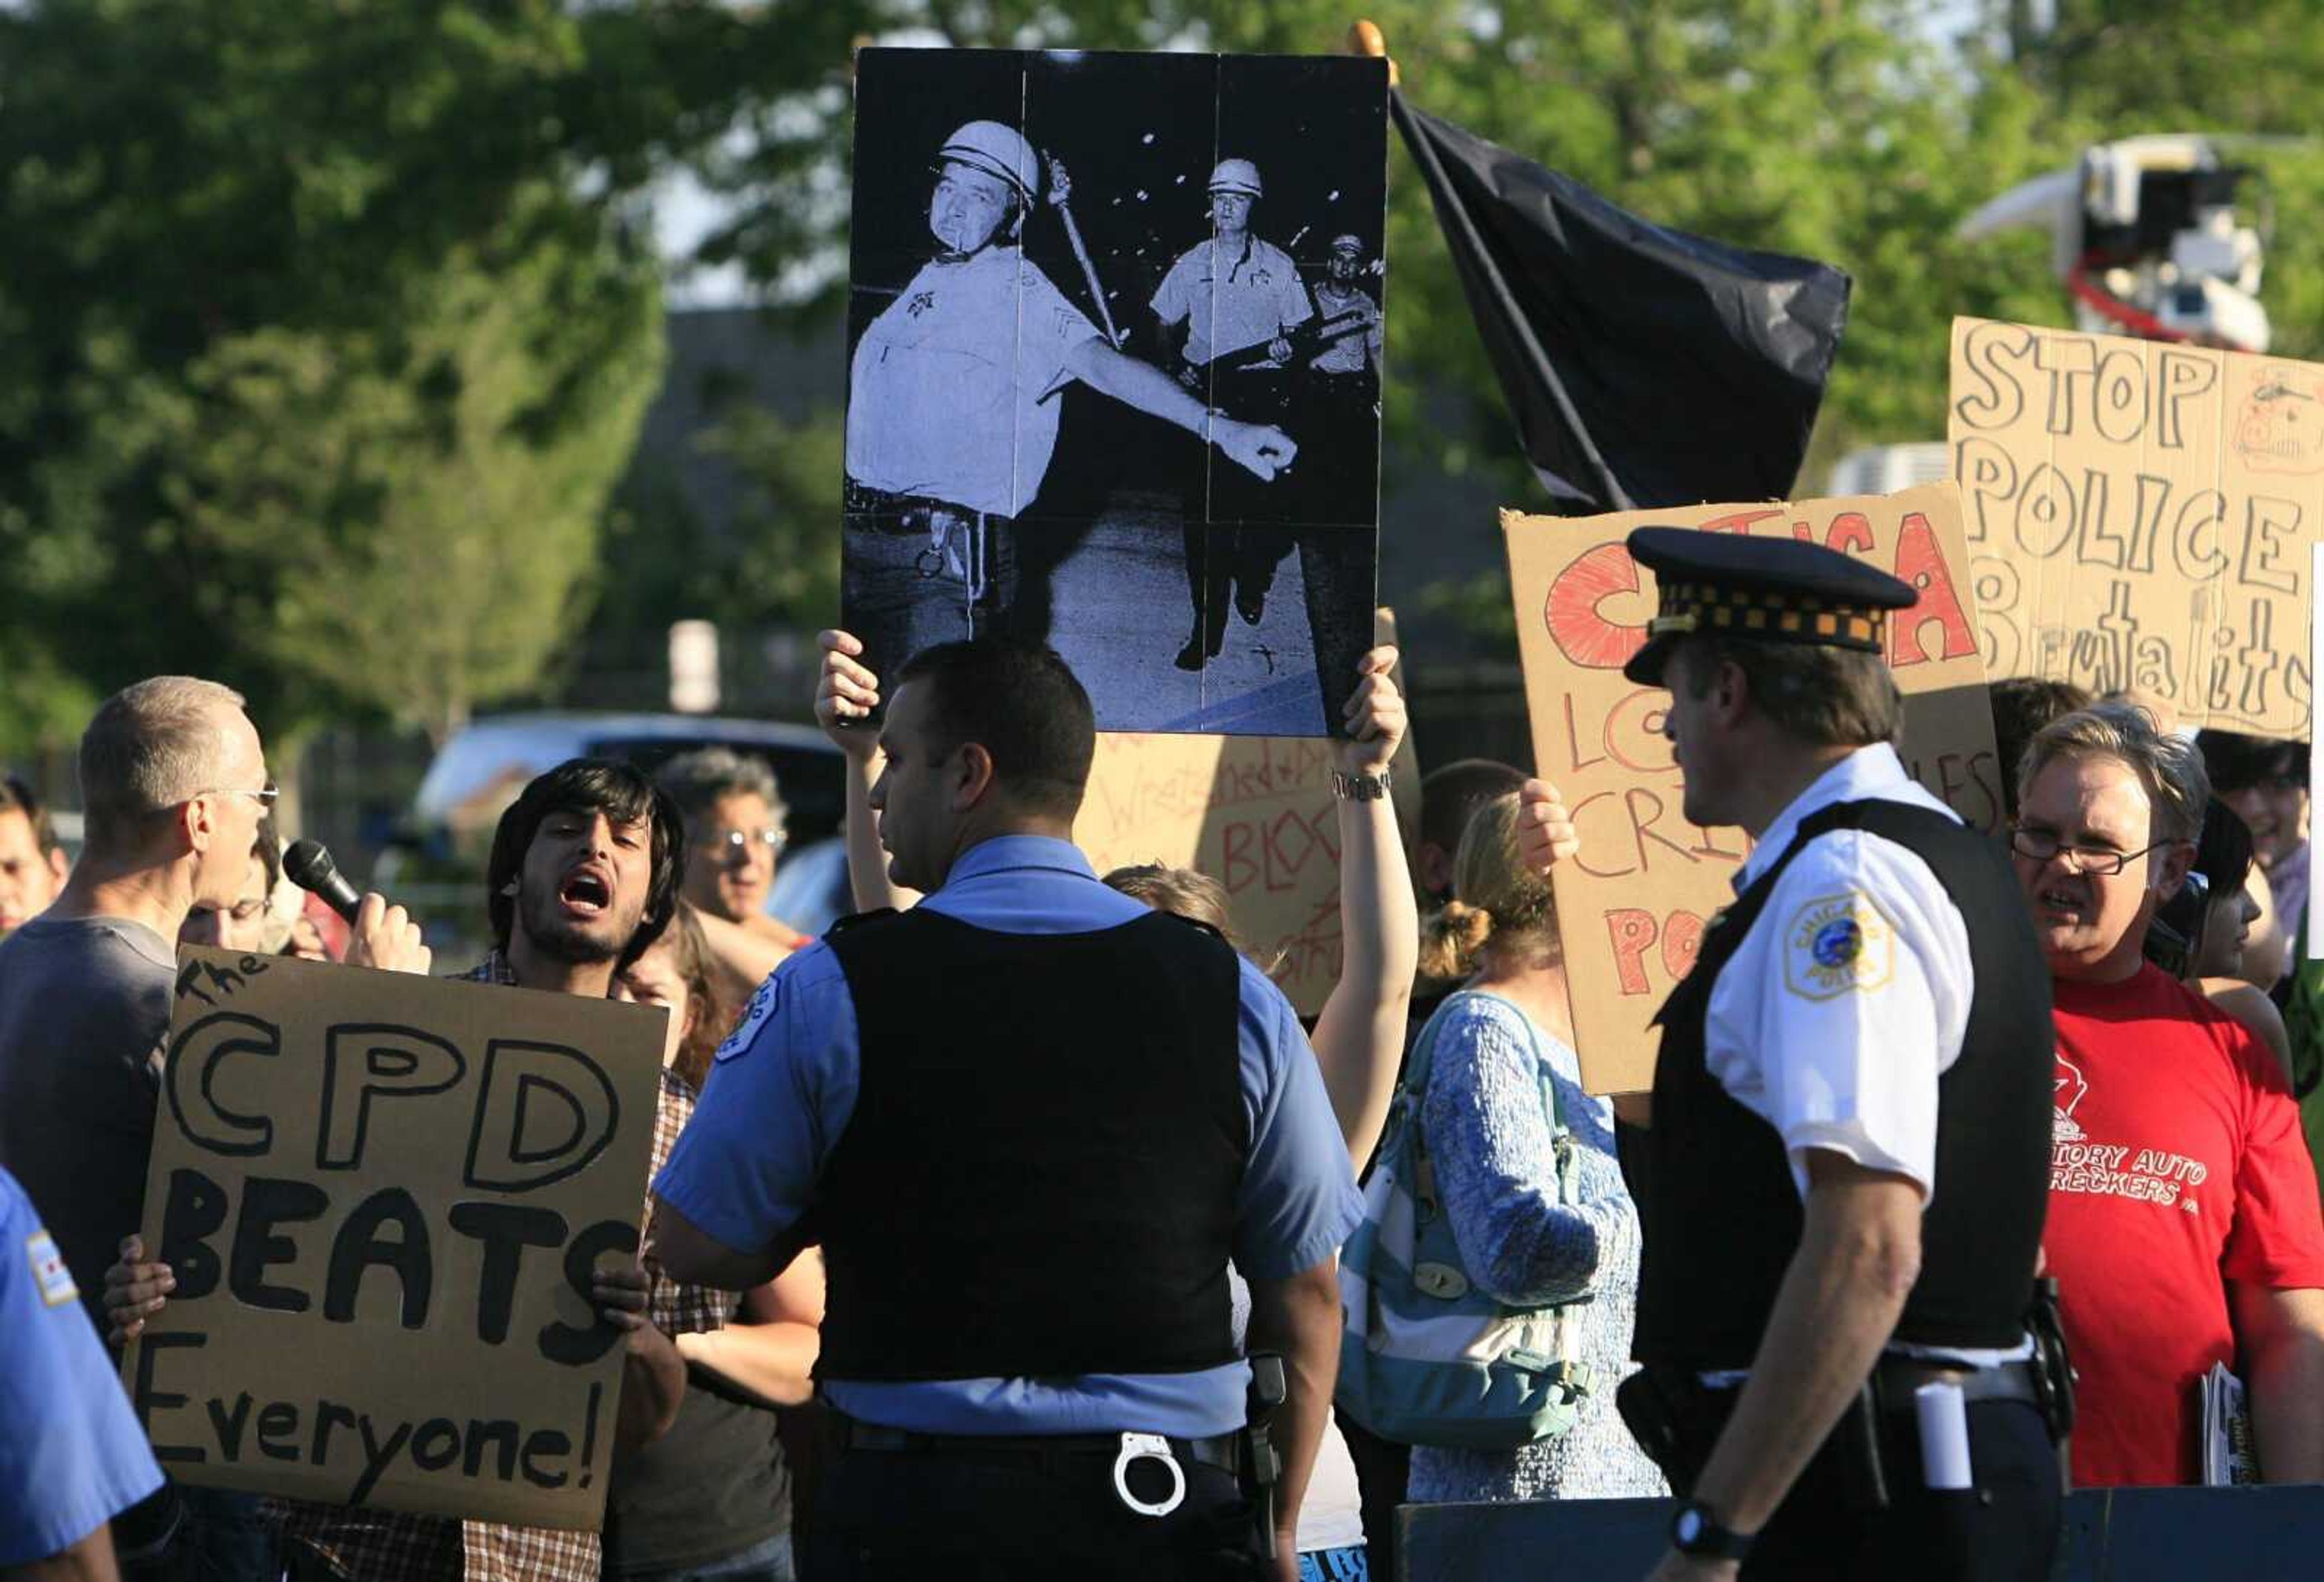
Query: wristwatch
<point x="1349" y="788"/>
<point x="1695" y="1530"/>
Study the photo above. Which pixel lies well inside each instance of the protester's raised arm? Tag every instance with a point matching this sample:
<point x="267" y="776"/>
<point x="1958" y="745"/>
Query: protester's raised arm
<point x="1545" y="835"/>
<point x="740" y="958"/>
<point x="844" y="696"/>
<point x="1360" y="1036"/>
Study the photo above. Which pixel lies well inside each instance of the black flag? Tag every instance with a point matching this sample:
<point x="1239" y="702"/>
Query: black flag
<point x="1647" y="367"/>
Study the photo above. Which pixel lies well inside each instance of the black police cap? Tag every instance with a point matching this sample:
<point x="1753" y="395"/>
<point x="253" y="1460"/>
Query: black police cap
<point x="1766" y="590"/>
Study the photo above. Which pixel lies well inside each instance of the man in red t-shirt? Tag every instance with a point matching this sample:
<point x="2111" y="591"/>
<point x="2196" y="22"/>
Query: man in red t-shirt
<point x="2183" y="1223"/>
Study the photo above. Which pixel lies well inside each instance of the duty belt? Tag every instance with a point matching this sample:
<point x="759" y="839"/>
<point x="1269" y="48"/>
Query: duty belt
<point x="1901" y="1375"/>
<point x="1220" y="1450"/>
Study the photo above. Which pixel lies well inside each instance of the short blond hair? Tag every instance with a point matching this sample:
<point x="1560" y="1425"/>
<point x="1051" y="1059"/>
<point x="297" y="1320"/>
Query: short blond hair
<point x="2168" y="765"/>
<point x="151" y="746"/>
<point x="1184" y="892"/>
<point x="1495" y="897"/>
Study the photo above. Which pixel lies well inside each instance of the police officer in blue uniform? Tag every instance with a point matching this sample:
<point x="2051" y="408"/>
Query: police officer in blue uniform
<point x="74" y="1457"/>
<point x="1846" y="1175"/>
<point x="1029" y="1122"/>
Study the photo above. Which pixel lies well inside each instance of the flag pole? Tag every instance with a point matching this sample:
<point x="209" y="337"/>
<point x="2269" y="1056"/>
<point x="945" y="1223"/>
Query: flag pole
<point x="1365" y="39"/>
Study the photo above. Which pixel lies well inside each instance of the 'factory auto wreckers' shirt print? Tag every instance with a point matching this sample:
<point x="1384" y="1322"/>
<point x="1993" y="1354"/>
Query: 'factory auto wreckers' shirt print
<point x="2177" y="1166"/>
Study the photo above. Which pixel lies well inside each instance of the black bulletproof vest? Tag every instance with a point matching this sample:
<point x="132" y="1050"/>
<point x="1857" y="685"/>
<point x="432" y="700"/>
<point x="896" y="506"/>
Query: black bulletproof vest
<point x="1039" y="1175"/>
<point x="1722" y="1218"/>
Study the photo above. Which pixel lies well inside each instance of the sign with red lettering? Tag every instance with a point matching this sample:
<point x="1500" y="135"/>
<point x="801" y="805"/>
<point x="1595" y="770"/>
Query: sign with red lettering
<point x="2140" y="517"/>
<point x="1633" y="904"/>
<point x="1255" y="813"/>
<point x="384" y="1197"/>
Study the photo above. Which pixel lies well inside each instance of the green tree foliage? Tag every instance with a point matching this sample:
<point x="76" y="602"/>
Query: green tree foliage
<point x="304" y="308"/>
<point x="325" y="332"/>
<point x="428" y="512"/>
<point x="773" y="564"/>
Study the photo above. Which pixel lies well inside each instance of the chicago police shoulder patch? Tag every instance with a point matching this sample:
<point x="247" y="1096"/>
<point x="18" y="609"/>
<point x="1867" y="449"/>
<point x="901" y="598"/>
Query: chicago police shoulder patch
<point x="1838" y="944"/>
<point x="762" y="1005"/>
<point x="51" y="1278"/>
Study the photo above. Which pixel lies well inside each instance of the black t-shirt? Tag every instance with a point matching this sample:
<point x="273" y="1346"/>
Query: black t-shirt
<point x="712" y="1488"/>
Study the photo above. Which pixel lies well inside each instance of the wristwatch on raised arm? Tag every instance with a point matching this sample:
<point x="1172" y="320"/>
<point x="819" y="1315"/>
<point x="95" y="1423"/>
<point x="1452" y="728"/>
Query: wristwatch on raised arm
<point x="1349" y="788"/>
<point x="1695" y="1529"/>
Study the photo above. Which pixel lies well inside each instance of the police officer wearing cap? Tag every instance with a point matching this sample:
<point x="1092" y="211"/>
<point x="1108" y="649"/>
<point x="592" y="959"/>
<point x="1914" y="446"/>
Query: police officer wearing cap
<point x="1029" y="1121"/>
<point x="952" y="412"/>
<point x="1341" y="388"/>
<point x="1848" y="1163"/>
<point x="1237" y="299"/>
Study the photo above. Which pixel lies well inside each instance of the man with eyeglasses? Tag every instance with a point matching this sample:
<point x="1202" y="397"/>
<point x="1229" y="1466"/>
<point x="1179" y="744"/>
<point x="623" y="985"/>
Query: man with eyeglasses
<point x="733" y="813"/>
<point x="2183" y="1224"/>
<point x="173" y="785"/>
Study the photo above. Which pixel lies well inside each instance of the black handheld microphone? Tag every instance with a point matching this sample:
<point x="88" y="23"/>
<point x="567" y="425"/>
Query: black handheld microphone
<point x="309" y="863"/>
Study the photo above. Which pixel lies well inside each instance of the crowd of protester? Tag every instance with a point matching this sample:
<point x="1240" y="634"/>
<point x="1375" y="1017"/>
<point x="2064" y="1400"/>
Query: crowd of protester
<point x="727" y="1463"/>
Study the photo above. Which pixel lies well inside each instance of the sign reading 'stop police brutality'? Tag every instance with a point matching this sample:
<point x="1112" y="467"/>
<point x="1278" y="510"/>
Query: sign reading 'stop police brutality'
<point x="383" y="1197"/>
<point x="1115" y="332"/>
<point x="2140" y="516"/>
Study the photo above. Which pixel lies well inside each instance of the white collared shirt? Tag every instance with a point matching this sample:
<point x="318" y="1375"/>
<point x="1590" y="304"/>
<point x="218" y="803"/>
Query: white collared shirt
<point x="1850" y="994"/>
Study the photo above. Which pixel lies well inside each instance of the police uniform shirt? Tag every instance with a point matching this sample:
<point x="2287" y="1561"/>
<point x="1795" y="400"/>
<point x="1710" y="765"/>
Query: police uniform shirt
<point x="1851" y="993"/>
<point x="952" y="391"/>
<point x="784" y="1085"/>
<point x="1233" y="297"/>
<point x="71" y="1455"/>
<point x="1351" y="330"/>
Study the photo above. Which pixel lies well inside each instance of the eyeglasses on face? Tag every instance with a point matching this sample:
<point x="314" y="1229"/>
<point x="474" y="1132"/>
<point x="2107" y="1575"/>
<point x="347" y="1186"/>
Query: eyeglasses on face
<point x="265" y="796"/>
<point x="2097" y="862"/>
<point x="729" y="844"/>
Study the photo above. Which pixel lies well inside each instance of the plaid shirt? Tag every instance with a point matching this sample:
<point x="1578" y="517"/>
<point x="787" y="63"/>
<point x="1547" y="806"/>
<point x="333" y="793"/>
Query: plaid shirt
<point x="389" y="1546"/>
<point x="675" y="1309"/>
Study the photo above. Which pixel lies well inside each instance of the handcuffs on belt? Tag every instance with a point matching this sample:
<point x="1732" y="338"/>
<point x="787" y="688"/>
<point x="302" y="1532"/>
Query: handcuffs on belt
<point x="956" y="546"/>
<point x="1135" y="1447"/>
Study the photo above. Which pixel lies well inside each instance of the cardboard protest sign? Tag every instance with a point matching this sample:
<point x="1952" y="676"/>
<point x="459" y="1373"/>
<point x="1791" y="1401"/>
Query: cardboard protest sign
<point x="2315" y="942"/>
<point x="384" y="1197"/>
<point x="2140" y="516"/>
<point x="1632" y="906"/>
<point x="1255" y="813"/>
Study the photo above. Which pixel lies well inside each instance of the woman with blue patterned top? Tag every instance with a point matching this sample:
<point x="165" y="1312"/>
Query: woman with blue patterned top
<point x="1482" y="1123"/>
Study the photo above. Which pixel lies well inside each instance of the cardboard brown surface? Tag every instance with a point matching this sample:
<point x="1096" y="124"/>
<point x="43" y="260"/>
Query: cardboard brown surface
<point x="1255" y="813"/>
<point x="2141" y="515"/>
<point x="1633" y="904"/>
<point x="448" y="1361"/>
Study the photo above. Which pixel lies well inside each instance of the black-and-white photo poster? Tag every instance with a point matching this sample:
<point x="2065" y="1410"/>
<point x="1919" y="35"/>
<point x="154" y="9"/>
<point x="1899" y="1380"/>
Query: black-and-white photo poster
<point x="1115" y="333"/>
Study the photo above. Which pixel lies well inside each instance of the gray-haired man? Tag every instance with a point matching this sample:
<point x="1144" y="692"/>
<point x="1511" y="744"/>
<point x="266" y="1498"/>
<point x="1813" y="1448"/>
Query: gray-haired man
<point x="173" y="782"/>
